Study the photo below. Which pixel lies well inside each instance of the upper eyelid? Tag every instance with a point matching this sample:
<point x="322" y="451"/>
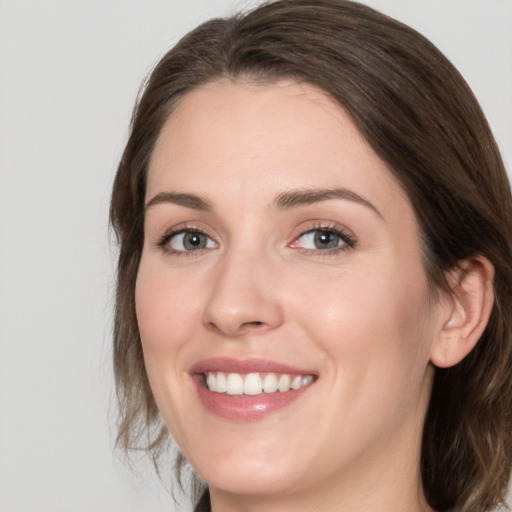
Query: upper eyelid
<point x="319" y="225"/>
<point x="196" y="227"/>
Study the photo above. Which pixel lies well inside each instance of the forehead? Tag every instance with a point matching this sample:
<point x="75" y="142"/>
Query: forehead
<point x="229" y="137"/>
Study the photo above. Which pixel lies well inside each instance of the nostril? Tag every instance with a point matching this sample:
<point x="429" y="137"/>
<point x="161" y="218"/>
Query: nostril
<point x="249" y="326"/>
<point x="236" y="330"/>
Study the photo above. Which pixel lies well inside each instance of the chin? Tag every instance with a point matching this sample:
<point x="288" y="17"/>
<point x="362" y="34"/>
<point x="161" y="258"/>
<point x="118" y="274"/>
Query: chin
<point x="247" y="471"/>
<point x="250" y="480"/>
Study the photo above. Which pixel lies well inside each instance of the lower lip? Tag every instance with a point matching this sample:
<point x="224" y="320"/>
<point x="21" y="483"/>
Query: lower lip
<point x="245" y="407"/>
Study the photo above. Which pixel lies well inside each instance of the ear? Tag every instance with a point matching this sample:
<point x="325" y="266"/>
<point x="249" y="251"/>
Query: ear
<point x="465" y="311"/>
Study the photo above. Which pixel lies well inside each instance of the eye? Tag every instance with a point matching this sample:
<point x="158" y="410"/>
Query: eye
<point x="317" y="239"/>
<point x="324" y="239"/>
<point x="188" y="240"/>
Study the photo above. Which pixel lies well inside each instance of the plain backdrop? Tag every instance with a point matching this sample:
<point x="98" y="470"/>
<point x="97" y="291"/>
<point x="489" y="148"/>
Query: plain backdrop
<point x="69" y="74"/>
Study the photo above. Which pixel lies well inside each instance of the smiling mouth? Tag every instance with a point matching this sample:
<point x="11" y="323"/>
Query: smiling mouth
<point x="245" y="390"/>
<point x="255" y="383"/>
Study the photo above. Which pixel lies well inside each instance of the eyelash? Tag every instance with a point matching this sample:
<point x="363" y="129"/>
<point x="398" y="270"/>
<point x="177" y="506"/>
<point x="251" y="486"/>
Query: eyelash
<point x="346" y="237"/>
<point x="163" y="242"/>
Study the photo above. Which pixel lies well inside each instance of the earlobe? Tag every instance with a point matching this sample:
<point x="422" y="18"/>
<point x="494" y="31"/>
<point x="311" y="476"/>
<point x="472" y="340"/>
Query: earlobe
<point x="466" y="311"/>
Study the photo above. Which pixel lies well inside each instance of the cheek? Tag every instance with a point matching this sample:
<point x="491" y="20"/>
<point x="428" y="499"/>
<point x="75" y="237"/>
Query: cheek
<point x="375" y="349"/>
<point x="374" y="321"/>
<point x="165" y="315"/>
<point x="164" y="308"/>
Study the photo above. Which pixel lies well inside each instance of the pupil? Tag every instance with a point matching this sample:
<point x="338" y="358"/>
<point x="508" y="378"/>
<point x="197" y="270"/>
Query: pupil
<point x="326" y="240"/>
<point x="194" y="241"/>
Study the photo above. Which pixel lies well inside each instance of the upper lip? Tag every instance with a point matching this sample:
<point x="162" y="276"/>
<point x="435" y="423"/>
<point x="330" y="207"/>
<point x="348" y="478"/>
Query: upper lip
<point x="233" y="365"/>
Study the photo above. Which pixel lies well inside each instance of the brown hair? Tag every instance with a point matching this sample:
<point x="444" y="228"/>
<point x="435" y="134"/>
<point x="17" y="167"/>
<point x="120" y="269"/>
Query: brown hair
<point x="421" y="118"/>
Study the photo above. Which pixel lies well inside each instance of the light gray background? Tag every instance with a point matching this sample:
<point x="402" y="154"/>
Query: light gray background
<point x="69" y="74"/>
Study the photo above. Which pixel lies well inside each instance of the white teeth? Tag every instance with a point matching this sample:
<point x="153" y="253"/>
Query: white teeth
<point x="211" y="381"/>
<point x="270" y="383"/>
<point x="303" y="382"/>
<point x="221" y="383"/>
<point x="254" y="383"/>
<point x="234" y="384"/>
<point x="284" y="382"/>
<point x="296" y="382"/>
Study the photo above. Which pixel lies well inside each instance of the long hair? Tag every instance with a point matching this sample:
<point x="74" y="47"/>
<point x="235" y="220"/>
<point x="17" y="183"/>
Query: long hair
<point x="419" y="115"/>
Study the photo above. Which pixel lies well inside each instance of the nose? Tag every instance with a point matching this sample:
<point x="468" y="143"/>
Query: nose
<point x="242" y="297"/>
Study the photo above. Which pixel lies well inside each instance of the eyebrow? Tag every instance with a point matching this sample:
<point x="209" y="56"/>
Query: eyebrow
<point x="187" y="200"/>
<point x="301" y="197"/>
<point x="284" y="201"/>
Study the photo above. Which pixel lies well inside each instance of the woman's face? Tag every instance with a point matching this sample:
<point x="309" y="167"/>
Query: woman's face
<point x="280" y="252"/>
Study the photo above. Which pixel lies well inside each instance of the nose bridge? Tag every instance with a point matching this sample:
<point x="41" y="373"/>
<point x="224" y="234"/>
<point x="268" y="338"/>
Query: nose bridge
<point x="242" y="296"/>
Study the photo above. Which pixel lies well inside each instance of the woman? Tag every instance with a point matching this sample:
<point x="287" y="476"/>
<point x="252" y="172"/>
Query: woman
<point x="314" y="270"/>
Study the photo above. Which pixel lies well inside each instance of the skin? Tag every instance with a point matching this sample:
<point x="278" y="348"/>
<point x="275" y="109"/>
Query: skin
<point x="360" y="318"/>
